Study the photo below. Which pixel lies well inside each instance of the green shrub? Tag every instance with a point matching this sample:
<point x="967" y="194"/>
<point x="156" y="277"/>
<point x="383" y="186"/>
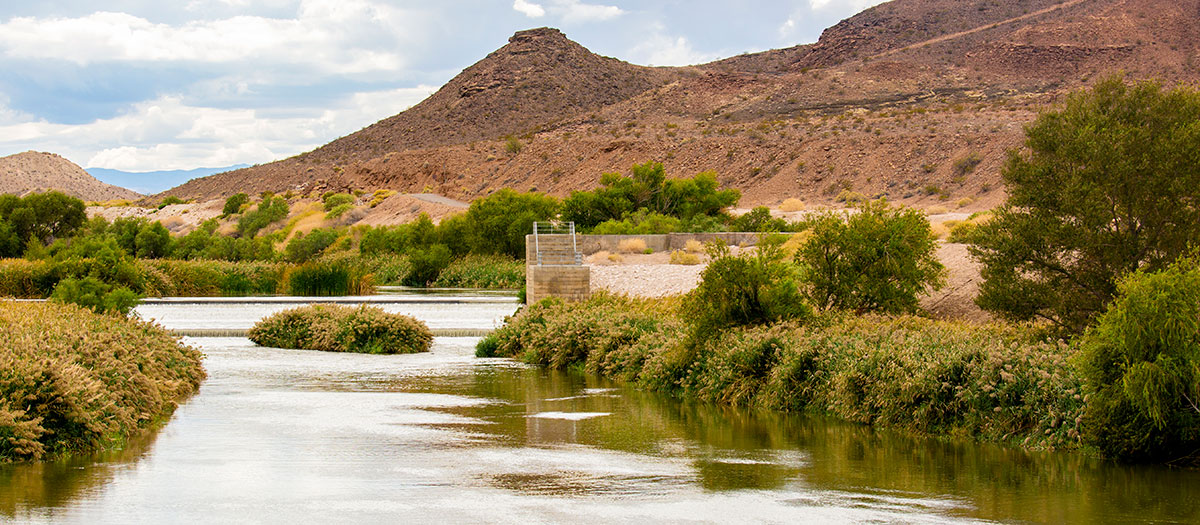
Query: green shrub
<point x="234" y="204"/>
<point x="744" y="290"/>
<point x="759" y="219"/>
<point x="488" y="346"/>
<point x="967" y="164"/>
<point x="648" y="188"/>
<point x="1142" y="366"/>
<point x="512" y="145"/>
<point x="335" y="328"/>
<point x="338" y="211"/>
<point x="493" y="272"/>
<point x="1107" y="186"/>
<point x="499" y="222"/>
<point x="73" y="382"/>
<point x="91" y="293"/>
<point x="427" y="264"/>
<point x="270" y="210"/>
<point x="304" y="247"/>
<point x="169" y="200"/>
<point x="153" y="241"/>
<point x="879" y="259"/>
<point x="335" y="200"/>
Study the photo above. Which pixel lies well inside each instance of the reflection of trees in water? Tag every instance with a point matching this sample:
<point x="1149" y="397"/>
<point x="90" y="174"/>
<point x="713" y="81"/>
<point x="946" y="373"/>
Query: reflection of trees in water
<point x="735" y="448"/>
<point x="40" y="485"/>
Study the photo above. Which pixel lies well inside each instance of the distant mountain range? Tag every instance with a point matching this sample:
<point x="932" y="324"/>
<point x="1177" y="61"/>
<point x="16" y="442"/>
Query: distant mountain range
<point x="151" y="182"/>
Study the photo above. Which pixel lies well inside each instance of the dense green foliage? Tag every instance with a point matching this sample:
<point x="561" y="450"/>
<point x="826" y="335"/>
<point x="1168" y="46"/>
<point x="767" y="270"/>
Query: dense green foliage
<point x="96" y="295"/>
<point x="426" y="264"/>
<point x="743" y="290"/>
<point x="879" y="259"/>
<point x="759" y="219"/>
<point x="234" y="204"/>
<point x="72" y="381"/>
<point x="926" y="376"/>
<point x="271" y="209"/>
<point x="648" y="188"/>
<point x="498" y="223"/>
<point x="37" y="217"/>
<point x="335" y="328"/>
<point x="1108" y="185"/>
<point x="483" y="271"/>
<point x="304" y="247"/>
<point x="1142" y="365"/>
<point x="334" y="200"/>
<point x="327" y="278"/>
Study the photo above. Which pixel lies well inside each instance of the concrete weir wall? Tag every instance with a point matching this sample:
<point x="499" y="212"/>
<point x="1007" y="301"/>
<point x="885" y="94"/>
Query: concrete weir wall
<point x="559" y="276"/>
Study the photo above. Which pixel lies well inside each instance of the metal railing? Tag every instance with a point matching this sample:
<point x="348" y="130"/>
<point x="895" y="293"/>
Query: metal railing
<point x="555" y="228"/>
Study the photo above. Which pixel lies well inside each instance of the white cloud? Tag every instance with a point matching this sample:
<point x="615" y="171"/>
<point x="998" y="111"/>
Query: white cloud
<point x="168" y="133"/>
<point x="843" y="5"/>
<point x="575" y="12"/>
<point x="529" y="9"/>
<point x="327" y="36"/>
<point x="660" y="49"/>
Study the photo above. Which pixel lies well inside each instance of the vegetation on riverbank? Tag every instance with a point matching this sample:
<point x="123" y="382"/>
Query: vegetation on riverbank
<point x="72" y="381"/>
<point x="991" y="382"/>
<point x="334" y="328"/>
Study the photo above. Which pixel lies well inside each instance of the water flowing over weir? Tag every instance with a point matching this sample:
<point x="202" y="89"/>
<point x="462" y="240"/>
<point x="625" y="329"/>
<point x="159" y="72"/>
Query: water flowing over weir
<point x="303" y="436"/>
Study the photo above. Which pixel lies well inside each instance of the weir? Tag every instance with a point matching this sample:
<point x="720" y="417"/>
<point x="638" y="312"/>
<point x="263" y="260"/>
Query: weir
<point x="554" y="265"/>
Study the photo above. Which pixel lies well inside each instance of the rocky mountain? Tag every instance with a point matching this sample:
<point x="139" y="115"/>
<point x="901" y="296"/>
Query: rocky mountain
<point x="916" y="100"/>
<point x="34" y="171"/>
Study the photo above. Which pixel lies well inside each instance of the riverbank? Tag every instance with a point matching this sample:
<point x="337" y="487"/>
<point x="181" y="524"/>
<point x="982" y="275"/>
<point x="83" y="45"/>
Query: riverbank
<point x="989" y="382"/>
<point x="74" y="382"/>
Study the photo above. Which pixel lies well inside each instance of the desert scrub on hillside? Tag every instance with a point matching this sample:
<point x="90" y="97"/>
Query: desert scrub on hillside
<point x="333" y="328"/>
<point x="494" y="272"/>
<point x="72" y="381"/>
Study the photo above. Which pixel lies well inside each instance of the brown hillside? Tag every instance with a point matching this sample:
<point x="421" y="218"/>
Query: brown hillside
<point x="33" y="171"/>
<point x="888" y="103"/>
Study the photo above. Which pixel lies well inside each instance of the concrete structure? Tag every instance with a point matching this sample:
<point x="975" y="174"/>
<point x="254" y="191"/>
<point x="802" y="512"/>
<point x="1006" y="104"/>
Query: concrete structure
<point x="554" y="267"/>
<point x="589" y="244"/>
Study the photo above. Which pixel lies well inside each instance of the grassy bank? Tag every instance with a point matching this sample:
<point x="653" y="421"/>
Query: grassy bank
<point x="72" y="381"/>
<point x="333" y="328"/>
<point x="988" y="382"/>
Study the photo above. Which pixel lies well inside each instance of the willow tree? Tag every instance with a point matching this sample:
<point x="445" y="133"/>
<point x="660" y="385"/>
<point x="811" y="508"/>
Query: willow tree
<point x="1107" y="185"/>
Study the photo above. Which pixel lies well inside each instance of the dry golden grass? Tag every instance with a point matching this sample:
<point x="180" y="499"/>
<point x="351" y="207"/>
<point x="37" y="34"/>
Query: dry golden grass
<point x="631" y="246"/>
<point x="73" y="381"/>
<point x="794" y="243"/>
<point x="616" y="257"/>
<point x="939" y="230"/>
<point x="936" y="210"/>
<point x="682" y="257"/>
<point x="693" y="246"/>
<point x="964" y="202"/>
<point x="790" y="205"/>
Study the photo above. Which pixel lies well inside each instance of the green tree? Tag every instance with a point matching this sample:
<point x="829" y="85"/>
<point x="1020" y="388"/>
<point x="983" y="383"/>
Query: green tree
<point x="740" y="290"/>
<point x="153" y="241"/>
<point x="1142" y="365"/>
<point x="500" y="221"/>
<point x="878" y="259"/>
<point x="1108" y="185"/>
<point x="44" y="216"/>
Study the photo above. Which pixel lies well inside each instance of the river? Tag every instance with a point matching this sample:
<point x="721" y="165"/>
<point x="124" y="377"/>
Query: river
<point x="288" y="436"/>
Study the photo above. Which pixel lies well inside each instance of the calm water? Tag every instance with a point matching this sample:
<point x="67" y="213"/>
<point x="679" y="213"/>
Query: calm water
<point x="279" y="436"/>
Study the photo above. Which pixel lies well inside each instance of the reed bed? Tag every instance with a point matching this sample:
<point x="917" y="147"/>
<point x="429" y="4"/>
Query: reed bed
<point x="72" y="381"/>
<point x="334" y="328"/>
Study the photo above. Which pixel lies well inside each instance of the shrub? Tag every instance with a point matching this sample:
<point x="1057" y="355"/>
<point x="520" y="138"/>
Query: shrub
<point x="1142" y="366"/>
<point x="333" y="328"/>
<point x="967" y="164"/>
<point x="379" y="196"/>
<point x="427" y="264"/>
<point x="93" y="294"/>
<point x="693" y="246"/>
<point x="304" y="247"/>
<point x="682" y="257"/>
<point x="1106" y="186"/>
<point x="270" y="210"/>
<point x="744" y="290"/>
<point x="234" y="204"/>
<point x="647" y="188"/>
<point x="169" y="200"/>
<point x="512" y="145"/>
<point x="879" y="259"/>
<point x="333" y="200"/>
<point x="635" y="245"/>
<point x="758" y="219"/>
<point x="792" y="205"/>
<point x="72" y="381"/>
<point x="338" y="211"/>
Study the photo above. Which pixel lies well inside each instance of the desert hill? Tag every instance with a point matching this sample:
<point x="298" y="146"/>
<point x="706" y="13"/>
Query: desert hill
<point x="37" y="172"/>
<point x="916" y="100"/>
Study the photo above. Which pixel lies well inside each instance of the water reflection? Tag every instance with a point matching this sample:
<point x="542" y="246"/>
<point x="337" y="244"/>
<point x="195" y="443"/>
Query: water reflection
<point x="279" y="435"/>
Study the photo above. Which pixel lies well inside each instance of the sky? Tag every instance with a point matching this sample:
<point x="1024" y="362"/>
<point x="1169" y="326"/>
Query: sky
<point x="146" y="85"/>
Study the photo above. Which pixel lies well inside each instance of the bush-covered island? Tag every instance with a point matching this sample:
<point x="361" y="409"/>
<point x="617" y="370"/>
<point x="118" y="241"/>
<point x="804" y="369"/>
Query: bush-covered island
<point x="73" y="381"/>
<point x="333" y="328"/>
